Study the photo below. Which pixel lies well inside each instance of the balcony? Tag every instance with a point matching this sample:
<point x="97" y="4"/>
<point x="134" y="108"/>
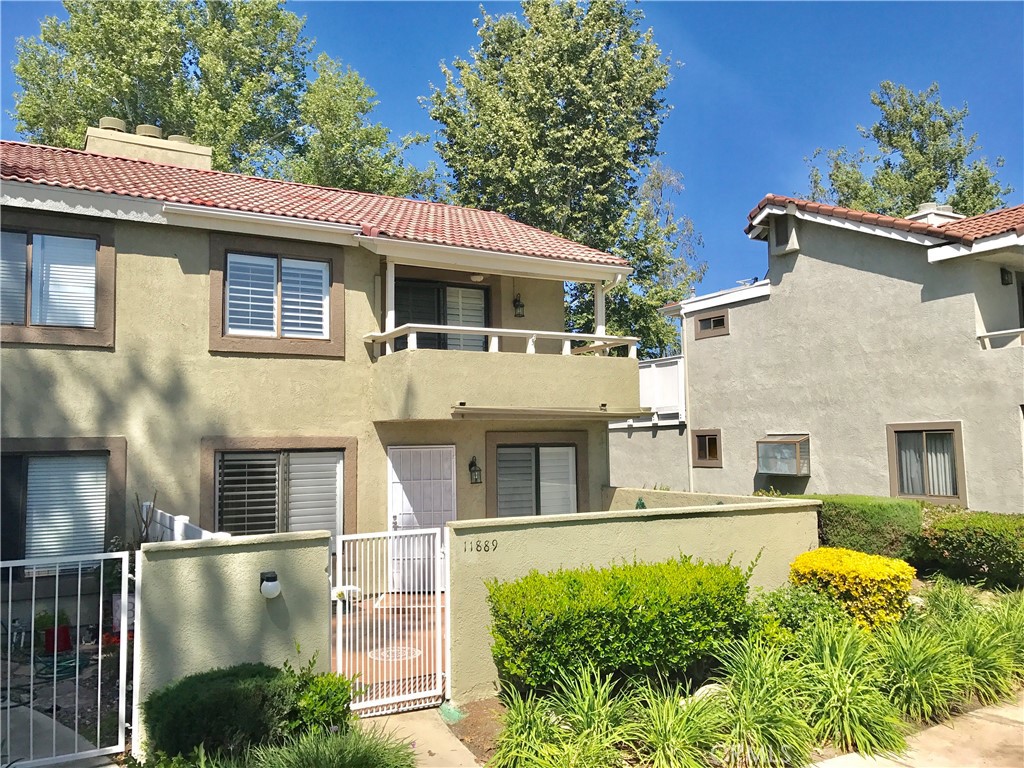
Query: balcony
<point x="1013" y="337"/>
<point x="579" y="383"/>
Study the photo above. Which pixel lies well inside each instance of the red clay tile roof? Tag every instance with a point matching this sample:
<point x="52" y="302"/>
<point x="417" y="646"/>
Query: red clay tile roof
<point x="962" y="230"/>
<point x="987" y="225"/>
<point x="397" y="217"/>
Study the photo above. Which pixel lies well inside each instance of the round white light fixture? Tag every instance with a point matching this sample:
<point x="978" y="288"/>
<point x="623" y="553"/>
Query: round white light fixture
<point x="477" y="278"/>
<point x="270" y="587"/>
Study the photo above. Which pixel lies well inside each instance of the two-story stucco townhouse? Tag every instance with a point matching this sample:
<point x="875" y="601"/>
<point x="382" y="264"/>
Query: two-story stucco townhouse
<point x="271" y="356"/>
<point x="879" y="356"/>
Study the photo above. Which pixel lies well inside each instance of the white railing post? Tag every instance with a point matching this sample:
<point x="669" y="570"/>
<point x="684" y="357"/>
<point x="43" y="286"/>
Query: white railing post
<point x="492" y="343"/>
<point x="389" y="305"/>
<point x="632" y="350"/>
<point x="566" y="346"/>
<point x="412" y="340"/>
<point x="531" y="345"/>
<point x="599" y="323"/>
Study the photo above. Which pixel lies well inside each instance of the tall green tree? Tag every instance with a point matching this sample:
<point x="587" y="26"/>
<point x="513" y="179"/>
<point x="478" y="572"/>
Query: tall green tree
<point x="554" y="121"/>
<point x="921" y="153"/>
<point x="232" y="74"/>
<point x="341" y="147"/>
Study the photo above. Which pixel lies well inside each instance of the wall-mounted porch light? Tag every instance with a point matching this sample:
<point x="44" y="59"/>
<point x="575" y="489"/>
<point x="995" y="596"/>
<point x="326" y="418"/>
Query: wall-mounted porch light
<point x="520" y="308"/>
<point x="270" y="587"/>
<point x="1005" y="276"/>
<point x="476" y="475"/>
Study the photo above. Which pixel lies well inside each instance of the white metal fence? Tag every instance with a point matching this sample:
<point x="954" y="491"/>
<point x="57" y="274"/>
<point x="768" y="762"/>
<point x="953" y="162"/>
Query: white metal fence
<point x="67" y="626"/>
<point x="389" y="619"/>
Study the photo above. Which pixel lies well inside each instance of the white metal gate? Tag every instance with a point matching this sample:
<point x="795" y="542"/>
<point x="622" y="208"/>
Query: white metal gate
<point x="66" y="626"/>
<point x="389" y="632"/>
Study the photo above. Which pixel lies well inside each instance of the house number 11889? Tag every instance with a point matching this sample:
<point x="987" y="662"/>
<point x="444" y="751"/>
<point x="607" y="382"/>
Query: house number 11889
<point x="480" y="546"/>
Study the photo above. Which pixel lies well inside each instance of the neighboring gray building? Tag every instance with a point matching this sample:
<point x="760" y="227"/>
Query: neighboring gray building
<point x="879" y="356"/>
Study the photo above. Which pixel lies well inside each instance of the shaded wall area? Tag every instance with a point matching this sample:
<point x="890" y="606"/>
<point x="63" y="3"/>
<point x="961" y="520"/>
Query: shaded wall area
<point x="710" y="527"/>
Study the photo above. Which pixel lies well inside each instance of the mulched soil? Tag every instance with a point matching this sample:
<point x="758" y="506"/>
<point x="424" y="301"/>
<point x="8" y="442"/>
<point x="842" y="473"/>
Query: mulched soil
<point x="479" y="729"/>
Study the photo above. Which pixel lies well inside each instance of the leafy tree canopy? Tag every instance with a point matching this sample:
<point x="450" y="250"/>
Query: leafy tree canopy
<point x="921" y="154"/>
<point x="231" y="74"/>
<point x="554" y="121"/>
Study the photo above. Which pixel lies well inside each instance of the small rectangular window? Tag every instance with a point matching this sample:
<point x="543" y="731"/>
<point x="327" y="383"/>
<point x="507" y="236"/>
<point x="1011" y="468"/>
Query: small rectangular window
<point x="276" y="297"/>
<point x="13" y="273"/>
<point x="712" y="323"/>
<point x="707" y="448"/>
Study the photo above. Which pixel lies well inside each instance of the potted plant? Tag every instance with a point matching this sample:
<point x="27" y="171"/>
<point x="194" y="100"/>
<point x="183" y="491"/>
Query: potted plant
<point x="56" y="633"/>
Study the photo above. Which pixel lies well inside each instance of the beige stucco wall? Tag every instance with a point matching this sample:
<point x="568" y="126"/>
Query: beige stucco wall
<point x="649" y="457"/>
<point x="778" y="529"/>
<point x="860" y="332"/>
<point x="199" y="606"/>
<point x="164" y="390"/>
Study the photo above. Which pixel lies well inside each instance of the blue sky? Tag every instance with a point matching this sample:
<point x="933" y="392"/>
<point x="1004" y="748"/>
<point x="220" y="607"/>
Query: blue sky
<point x="760" y="87"/>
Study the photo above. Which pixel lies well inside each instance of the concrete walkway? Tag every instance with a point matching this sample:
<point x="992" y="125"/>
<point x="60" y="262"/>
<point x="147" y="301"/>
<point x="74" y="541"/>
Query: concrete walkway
<point x="991" y="737"/>
<point x="436" y="746"/>
<point x="33" y="733"/>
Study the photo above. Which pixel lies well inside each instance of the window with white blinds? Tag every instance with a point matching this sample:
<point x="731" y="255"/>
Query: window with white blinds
<point x="255" y="285"/>
<point x="466" y="306"/>
<point x="63" y="281"/>
<point x="536" y="480"/>
<point x="65" y="505"/>
<point x="304" y="298"/>
<point x="13" y="270"/>
<point x="251" y="295"/>
<point x="266" y="492"/>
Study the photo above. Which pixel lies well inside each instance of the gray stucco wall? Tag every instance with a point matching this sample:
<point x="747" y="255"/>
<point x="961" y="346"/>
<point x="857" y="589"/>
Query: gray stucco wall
<point x="860" y="332"/>
<point x="649" y="457"/>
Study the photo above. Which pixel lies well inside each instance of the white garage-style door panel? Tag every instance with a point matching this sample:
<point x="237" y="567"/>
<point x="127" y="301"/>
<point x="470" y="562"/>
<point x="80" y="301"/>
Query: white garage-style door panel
<point x="315" y="491"/>
<point x="422" y="483"/>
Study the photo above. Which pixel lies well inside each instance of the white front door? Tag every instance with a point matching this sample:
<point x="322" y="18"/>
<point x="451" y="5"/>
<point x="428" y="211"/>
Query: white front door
<point x="421" y="495"/>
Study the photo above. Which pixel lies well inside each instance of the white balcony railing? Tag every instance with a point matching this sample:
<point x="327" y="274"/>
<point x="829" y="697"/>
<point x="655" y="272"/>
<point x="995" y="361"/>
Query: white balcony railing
<point x="987" y="339"/>
<point x="593" y="342"/>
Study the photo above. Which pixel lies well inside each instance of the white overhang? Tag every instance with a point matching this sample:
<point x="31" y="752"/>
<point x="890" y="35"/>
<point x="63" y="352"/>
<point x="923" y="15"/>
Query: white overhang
<point x="719" y="299"/>
<point x="760" y="225"/>
<point x="1010" y="242"/>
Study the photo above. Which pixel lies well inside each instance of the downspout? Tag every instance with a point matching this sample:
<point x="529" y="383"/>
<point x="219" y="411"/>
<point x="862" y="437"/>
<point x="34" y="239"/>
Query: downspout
<point x="686" y="398"/>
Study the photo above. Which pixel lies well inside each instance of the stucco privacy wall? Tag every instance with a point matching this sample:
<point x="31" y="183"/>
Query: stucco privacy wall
<point x="649" y="456"/>
<point x="778" y="529"/>
<point x="199" y="606"/>
<point x="860" y="332"/>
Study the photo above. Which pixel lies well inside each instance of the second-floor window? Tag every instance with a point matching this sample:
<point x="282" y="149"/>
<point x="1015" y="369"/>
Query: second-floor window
<point x="277" y="297"/>
<point x="47" y="280"/>
<point x="440" y="304"/>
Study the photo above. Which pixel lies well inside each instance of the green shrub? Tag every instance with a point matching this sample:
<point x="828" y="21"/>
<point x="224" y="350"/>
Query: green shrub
<point x="847" y="707"/>
<point x="976" y="545"/>
<point x="781" y="613"/>
<point x="624" y="619"/>
<point x="924" y="673"/>
<point x="224" y="709"/>
<point x="765" y="700"/>
<point x="355" y="748"/>
<point x="871" y="524"/>
<point x="227" y="710"/>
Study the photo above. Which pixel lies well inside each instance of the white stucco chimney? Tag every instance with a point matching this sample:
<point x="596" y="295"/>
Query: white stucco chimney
<point x="933" y="213"/>
<point x="145" y="144"/>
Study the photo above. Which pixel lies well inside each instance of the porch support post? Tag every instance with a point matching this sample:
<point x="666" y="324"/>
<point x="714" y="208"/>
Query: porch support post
<point x="389" y="304"/>
<point x="599" y="308"/>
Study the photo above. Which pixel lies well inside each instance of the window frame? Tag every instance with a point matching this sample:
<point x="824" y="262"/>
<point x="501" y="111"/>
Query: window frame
<point x="210" y="447"/>
<point x="707" y="463"/>
<point x="334" y="256"/>
<point x="711" y="314"/>
<point x="115" y="449"/>
<point x="578" y="440"/>
<point x="101" y="334"/>
<point x="955" y="427"/>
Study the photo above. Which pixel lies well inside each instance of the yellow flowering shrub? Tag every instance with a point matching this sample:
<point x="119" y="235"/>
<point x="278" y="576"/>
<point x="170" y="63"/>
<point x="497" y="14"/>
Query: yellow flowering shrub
<point x="873" y="589"/>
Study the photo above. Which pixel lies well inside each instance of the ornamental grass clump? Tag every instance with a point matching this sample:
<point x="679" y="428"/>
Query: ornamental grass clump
<point x="765" y="701"/>
<point x="874" y="590"/>
<point x="673" y="730"/>
<point x="846" y="705"/>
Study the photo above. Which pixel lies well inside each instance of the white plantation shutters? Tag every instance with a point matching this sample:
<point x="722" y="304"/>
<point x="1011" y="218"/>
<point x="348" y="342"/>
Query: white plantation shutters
<point x="264" y="492"/>
<point x="517" y="488"/>
<point x="65" y="505"/>
<point x="251" y="295"/>
<point x="13" y="269"/>
<point x="63" y="281"/>
<point x="466" y="306"/>
<point x="304" y="298"/>
<point x="314" y="491"/>
<point x="247" y="493"/>
<point x="557" y="480"/>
